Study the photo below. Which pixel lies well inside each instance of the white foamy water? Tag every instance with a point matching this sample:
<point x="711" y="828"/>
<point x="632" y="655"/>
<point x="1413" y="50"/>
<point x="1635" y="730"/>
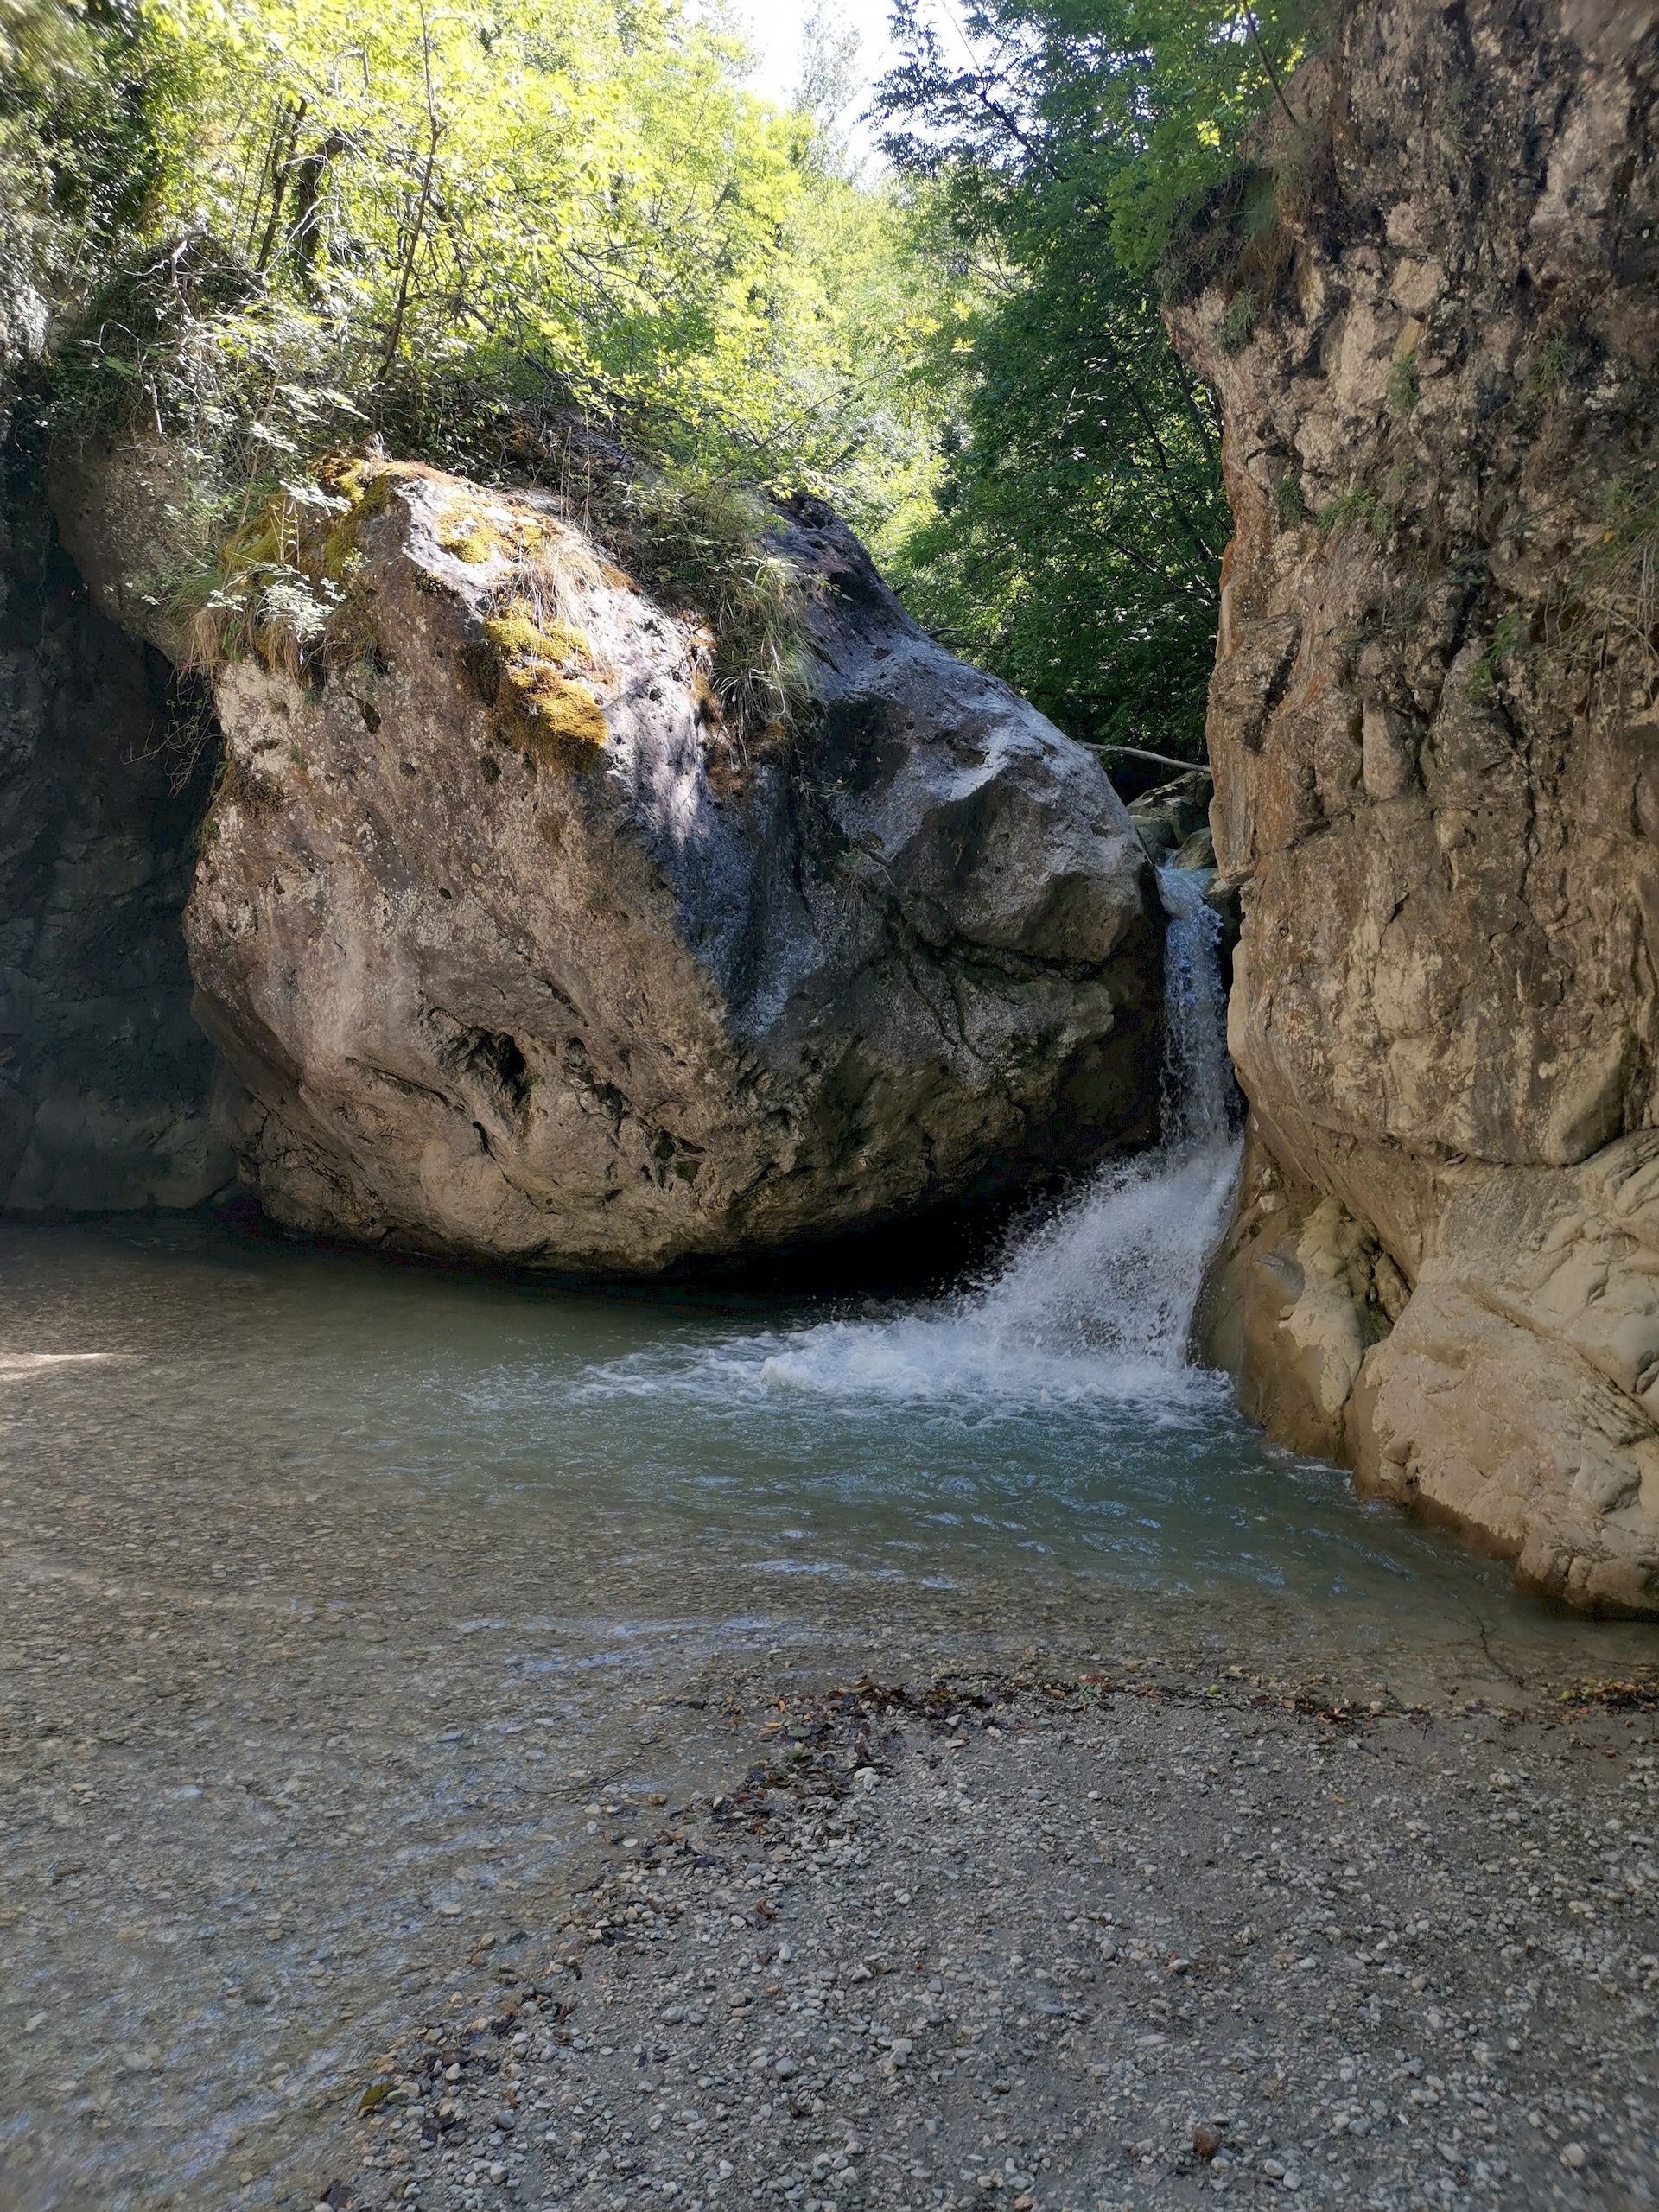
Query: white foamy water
<point x="1093" y="1301"/>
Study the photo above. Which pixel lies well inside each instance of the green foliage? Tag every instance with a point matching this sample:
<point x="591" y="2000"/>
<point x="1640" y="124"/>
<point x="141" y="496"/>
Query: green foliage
<point x="1548" y="371"/>
<point x="1238" y="323"/>
<point x="1077" y="539"/>
<point x="1507" y="635"/>
<point x="1078" y="517"/>
<point x="504" y="245"/>
<point x="519" y="242"/>
<point x="82" y="83"/>
<point x="1137" y="110"/>
<point x="1403" y="384"/>
<point x="1359" y="503"/>
<point x="451" y="213"/>
<point x="1289" y="504"/>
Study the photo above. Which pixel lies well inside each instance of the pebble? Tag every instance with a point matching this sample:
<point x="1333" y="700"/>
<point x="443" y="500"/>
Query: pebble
<point x="1008" y="1990"/>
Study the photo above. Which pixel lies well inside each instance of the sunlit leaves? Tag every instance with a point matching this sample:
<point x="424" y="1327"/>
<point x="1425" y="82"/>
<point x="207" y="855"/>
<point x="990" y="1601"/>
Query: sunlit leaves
<point x="574" y="196"/>
<point x="1079" y="519"/>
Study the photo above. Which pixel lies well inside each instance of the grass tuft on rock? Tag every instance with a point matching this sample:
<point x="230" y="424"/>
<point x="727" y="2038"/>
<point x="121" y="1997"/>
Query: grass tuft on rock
<point x="281" y="587"/>
<point x="713" y="547"/>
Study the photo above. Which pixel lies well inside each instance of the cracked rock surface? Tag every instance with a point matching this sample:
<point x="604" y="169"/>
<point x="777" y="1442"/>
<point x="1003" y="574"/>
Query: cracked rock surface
<point x="518" y="952"/>
<point x="1432" y="724"/>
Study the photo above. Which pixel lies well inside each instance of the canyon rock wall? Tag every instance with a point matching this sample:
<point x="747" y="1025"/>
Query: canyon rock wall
<point x="1432" y="315"/>
<point x="103" y="1074"/>
<point x="519" y="951"/>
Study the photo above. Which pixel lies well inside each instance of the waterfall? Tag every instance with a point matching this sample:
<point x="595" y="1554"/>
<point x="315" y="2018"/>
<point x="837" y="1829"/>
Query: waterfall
<point x="1118" y="1270"/>
<point x="1095" y="1300"/>
<point x="1115" y="1275"/>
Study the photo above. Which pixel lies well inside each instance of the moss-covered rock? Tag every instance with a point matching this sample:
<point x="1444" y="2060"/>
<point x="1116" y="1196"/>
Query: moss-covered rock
<point x="554" y="719"/>
<point x="522" y="948"/>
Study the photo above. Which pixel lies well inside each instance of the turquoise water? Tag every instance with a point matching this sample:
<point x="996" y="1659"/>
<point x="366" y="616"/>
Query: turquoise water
<point x="1033" y="1438"/>
<point x="884" y="1450"/>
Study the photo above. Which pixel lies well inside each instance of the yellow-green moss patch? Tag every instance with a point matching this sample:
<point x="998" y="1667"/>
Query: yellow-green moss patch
<point x="551" y="718"/>
<point x="516" y="635"/>
<point x="474" y="546"/>
<point x="369" y="493"/>
<point x="475" y="534"/>
<point x="284" y="586"/>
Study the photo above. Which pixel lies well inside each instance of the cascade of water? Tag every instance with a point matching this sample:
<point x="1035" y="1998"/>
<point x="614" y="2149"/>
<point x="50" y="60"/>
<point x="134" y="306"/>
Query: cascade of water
<point x="1199" y="1097"/>
<point x="1095" y="1300"/>
<point x="1119" y="1269"/>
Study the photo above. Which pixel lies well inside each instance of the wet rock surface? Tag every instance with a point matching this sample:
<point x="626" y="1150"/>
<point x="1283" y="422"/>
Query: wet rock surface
<point x="1144" y="1942"/>
<point x="1431" y="724"/>
<point x="1168" y="818"/>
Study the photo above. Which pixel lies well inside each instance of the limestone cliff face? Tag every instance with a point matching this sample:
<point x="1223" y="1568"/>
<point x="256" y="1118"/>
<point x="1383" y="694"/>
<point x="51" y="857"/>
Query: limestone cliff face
<point x="1434" y="729"/>
<point x="517" y="952"/>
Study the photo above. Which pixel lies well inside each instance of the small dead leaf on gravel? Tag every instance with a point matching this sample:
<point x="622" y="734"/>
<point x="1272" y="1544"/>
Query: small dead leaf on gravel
<point x="1616" y="1696"/>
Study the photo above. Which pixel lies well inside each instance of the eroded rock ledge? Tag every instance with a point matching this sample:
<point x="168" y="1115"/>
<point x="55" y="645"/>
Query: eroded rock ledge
<point x="1436" y="747"/>
<point x="518" y="952"/>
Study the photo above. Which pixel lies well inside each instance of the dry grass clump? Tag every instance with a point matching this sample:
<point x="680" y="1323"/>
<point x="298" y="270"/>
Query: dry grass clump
<point x="281" y="588"/>
<point x="1604" y="618"/>
<point x="712" y="547"/>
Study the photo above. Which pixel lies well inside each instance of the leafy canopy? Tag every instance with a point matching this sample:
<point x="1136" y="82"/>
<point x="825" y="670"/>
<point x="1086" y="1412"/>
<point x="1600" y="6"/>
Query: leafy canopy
<point x="300" y="225"/>
<point x="421" y="216"/>
<point x="1079" y="516"/>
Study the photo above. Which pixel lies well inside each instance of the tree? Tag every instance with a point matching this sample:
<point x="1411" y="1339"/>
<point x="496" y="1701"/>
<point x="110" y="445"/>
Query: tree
<point x="445" y="210"/>
<point x="829" y="74"/>
<point x="82" y="84"/>
<point x="1080" y="518"/>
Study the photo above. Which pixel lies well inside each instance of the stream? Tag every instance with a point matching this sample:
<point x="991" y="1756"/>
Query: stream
<point x="340" y="1598"/>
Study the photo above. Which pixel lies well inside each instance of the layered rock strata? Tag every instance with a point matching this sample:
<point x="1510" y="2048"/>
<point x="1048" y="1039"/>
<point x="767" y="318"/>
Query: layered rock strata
<point x="518" y="951"/>
<point x="1434" y="729"/>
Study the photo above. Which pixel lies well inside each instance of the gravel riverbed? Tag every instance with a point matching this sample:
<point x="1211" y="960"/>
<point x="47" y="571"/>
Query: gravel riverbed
<point x="1137" y="1941"/>
<point x="371" y="1729"/>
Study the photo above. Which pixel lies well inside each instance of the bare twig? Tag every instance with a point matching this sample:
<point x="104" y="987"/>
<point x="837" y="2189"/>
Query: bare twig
<point x="1140" y="752"/>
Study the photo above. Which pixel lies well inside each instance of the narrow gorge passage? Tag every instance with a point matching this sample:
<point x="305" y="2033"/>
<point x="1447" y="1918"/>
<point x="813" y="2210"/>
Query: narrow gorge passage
<point x="829" y="1105"/>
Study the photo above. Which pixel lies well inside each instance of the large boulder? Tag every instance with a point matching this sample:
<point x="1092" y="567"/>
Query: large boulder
<point x="519" y="949"/>
<point x="1434" y="727"/>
